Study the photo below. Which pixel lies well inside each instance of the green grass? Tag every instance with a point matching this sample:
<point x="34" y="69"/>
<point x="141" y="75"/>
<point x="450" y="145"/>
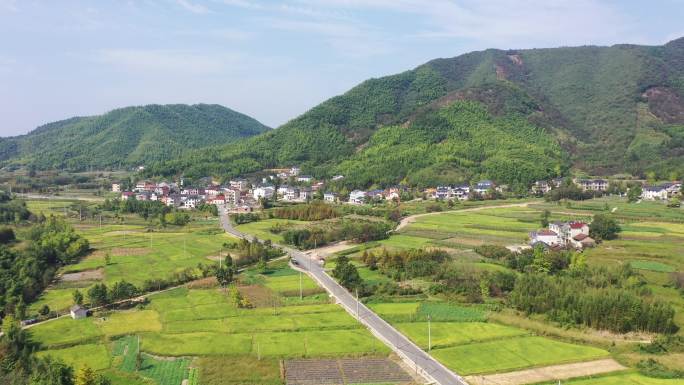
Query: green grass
<point x="239" y="371"/>
<point x="393" y="310"/>
<point x="289" y="284"/>
<point x="198" y="343"/>
<point x="125" y="351"/>
<point x="513" y="353"/>
<point x="261" y="228"/>
<point x="453" y="333"/>
<point x="621" y="379"/>
<point x="164" y="372"/>
<point x="129" y="322"/>
<point x="57" y="299"/>
<point x="442" y="311"/>
<point x="64" y="332"/>
<point x="93" y="355"/>
<point x="652" y="266"/>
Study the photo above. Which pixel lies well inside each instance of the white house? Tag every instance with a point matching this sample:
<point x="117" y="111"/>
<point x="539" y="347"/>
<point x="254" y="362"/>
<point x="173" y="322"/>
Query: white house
<point x="239" y="184"/>
<point x="294" y="171"/>
<point x="232" y="195"/>
<point x="304" y="178"/>
<point x="263" y="192"/>
<point x="173" y="200"/>
<point x="192" y="201"/>
<point x="565" y="234"/>
<point x="291" y="194"/>
<point x="116" y="187"/>
<point x="654" y="193"/>
<point x="483" y="186"/>
<point x="545" y="236"/>
<point x="592" y="184"/>
<point x="78" y="312"/>
<point x="330" y="197"/>
<point x="357" y="197"/>
<point x="305" y="194"/>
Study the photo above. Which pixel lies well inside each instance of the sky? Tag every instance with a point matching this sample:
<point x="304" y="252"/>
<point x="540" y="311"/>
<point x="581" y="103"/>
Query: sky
<point x="272" y="60"/>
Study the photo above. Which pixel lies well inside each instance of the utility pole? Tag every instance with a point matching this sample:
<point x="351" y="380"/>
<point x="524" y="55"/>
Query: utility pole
<point x="429" y="334"/>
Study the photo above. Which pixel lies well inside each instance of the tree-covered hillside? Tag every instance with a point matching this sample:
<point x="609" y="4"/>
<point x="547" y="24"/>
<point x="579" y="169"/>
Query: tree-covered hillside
<point x="128" y="136"/>
<point x="610" y="109"/>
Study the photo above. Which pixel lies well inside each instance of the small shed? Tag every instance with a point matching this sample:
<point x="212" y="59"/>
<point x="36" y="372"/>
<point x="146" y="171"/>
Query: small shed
<point x="77" y="312"/>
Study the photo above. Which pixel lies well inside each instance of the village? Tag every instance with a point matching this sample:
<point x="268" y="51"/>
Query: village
<point x="242" y="195"/>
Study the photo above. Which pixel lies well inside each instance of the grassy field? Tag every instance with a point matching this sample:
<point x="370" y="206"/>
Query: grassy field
<point x="261" y="228"/>
<point x="182" y="323"/>
<point x="513" y="353"/>
<point x="133" y="248"/>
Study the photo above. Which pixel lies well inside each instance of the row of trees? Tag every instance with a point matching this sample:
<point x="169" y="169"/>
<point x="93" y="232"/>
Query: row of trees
<point x="406" y="264"/>
<point x="358" y="231"/>
<point x="314" y="211"/>
<point x="571" y="300"/>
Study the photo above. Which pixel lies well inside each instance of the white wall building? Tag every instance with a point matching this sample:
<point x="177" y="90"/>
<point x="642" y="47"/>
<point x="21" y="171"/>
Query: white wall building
<point x="263" y="192"/>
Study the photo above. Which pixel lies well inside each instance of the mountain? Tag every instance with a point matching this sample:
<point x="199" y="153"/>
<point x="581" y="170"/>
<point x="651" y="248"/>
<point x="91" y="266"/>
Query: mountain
<point x="128" y="136"/>
<point x="510" y="115"/>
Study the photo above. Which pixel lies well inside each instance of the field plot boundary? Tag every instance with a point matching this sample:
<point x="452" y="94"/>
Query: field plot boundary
<point x="548" y="373"/>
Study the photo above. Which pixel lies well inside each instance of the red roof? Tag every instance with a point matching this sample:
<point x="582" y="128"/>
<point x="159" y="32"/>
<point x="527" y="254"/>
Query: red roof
<point x="580" y="237"/>
<point x="577" y="225"/>
<point x="546" y="232"/>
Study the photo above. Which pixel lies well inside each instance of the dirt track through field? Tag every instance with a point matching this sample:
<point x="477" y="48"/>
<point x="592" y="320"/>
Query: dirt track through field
<point x="410" y="219"/>
<point x="548" y="373"/>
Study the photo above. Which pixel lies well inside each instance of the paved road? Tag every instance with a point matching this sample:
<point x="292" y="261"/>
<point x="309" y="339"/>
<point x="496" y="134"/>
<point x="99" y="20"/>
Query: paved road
<point x="421" y="361"/>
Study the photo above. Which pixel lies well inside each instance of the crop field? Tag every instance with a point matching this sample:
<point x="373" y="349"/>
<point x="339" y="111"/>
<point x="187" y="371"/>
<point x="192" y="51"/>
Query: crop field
<point x="182" y="323"/>
<point x="445" y="334"/>
<point x="464" y="342"/>
<point x="132" y="250"/>
<point x="261" y="228"/>
<point x="513" y="353"/>
<point x="419" y="311"/>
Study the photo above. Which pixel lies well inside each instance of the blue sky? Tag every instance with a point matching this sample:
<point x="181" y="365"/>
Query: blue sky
<point x="271" y="59"/>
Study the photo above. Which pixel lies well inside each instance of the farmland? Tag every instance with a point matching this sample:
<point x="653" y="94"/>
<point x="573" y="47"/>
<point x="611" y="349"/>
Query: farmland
<point x="125" y="248"/>
<point x="183" y="323"/>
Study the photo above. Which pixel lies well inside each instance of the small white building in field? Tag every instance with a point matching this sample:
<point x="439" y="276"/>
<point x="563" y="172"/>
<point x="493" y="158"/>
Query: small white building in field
<point x="116" y="187"/>
<point x="77" y="312"/>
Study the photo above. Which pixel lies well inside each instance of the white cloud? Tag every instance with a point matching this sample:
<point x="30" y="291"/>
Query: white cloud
<point x="169" y="61"/>
<point x="192" y="7"/>
<point x="503" y="22"/>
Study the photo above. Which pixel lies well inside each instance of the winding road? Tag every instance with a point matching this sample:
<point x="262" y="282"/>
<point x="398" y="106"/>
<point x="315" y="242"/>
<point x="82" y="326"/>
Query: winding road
<point x="422" y="362"/>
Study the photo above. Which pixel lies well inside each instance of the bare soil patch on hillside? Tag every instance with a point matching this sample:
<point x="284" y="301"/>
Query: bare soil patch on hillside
<point x="87" y="275"/>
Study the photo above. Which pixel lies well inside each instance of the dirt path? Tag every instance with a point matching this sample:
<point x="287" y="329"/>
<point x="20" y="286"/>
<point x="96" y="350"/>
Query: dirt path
<point x="410" y="219"/>
<point x="548" y="373"/>
<point x="325" y="251"/>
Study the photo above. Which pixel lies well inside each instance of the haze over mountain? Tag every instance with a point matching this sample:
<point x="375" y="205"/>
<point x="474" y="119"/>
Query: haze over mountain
<point x="128" y="136"/>
<point x="511" y="115"/>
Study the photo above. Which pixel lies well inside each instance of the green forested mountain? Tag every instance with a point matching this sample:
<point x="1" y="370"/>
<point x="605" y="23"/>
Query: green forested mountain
<point x="128" y="136"/>
<point x="532" y="114"/>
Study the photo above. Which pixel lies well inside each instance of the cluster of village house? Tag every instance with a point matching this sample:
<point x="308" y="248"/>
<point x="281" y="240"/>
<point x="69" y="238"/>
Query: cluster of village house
<point x="242" y="196"/>
<point x="662" y="191"/>
<point x="563" y="235"/>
